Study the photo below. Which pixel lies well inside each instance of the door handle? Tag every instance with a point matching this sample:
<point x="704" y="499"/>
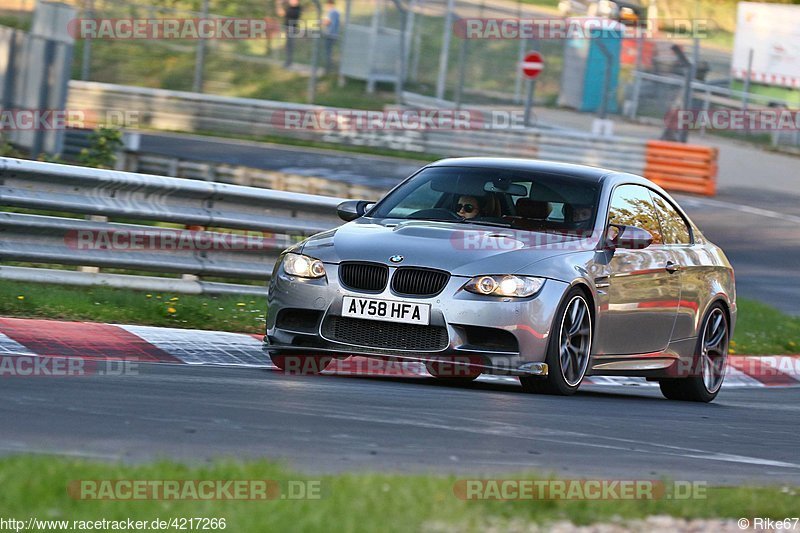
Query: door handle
<point x="672" y="267"/>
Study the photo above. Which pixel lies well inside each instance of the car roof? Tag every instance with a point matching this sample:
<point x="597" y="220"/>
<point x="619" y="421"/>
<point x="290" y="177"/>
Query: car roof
<point x="593" y="174"/>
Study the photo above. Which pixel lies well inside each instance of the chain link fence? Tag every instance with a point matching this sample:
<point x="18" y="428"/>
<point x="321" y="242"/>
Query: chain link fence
<point x="438" y="62"/>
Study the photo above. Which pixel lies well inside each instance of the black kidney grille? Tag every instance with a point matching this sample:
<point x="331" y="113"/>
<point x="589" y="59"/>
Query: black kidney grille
<point x="391" y="335"/>
<point x="419" y="281"/>
<point x="364" y="276"/>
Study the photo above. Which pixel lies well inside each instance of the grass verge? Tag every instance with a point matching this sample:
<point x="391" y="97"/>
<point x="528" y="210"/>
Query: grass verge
<point x="760" y="329"/>
<point x="246" y="314"/>
<point x="37" y="486"/>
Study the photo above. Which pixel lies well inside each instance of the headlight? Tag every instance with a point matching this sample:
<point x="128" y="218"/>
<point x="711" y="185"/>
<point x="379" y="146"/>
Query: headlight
<point x="517" y="286"/>
<point x="303" y="266"/>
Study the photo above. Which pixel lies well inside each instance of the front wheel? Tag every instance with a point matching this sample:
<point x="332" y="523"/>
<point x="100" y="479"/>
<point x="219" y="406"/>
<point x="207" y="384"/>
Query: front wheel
<point x="711" y="358"/>
<point x="569" y="349"/>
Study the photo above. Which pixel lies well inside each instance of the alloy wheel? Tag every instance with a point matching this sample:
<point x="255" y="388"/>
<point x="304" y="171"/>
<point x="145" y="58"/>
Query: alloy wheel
<point x="714" y="350"/>
<point x="575" y="341"/>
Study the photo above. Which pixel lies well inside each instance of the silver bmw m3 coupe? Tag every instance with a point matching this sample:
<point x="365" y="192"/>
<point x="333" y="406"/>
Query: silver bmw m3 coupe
<point x="546" y="271"/>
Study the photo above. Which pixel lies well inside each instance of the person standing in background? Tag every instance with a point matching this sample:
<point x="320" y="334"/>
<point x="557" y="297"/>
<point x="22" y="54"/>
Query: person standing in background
<point x="330" y="32"/>
<point x="291" y="11"/>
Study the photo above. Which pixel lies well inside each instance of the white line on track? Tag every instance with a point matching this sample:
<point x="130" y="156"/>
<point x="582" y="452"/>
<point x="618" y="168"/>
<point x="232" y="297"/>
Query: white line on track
<point x="691" y="201"/>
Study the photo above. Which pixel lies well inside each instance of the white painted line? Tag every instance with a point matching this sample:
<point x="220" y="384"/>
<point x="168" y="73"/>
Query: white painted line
<point x="741" y="208"/>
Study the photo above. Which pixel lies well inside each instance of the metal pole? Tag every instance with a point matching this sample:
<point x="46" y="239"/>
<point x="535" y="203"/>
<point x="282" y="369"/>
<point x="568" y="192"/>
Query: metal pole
<point x="37" y="144"/>
<point x="315" y="42"/>
<point x="746" y="94"/>
<point x="401" y="66"/>
<point x="528" y="102"/>
<point x="518" y="80"/>
<point x="462" y="68"/>
<point x="687" y="96"/>
<point x="342" y="37"/>
<point x="417" y="51"/>
<point x="200" y="57"/>
<point x="86" y="59"/>
<point x="637" y="89"/>
<point x="520" y="57"/>
<point x="746" y="90"/>
<point x="311" y="91"/>
<point x="441" y="81"/>
<point x="696" y="43"/>
<point x="373" y="42"/>
<point x="411" y="16"/>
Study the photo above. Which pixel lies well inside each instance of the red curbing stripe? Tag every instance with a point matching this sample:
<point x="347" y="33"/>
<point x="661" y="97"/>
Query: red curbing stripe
<point x="53" y="338"/>
<point x="88" y="340"/>
<point x="756" y="368"/>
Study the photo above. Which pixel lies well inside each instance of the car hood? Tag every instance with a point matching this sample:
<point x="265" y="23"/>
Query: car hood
<point x="459" y="248"/>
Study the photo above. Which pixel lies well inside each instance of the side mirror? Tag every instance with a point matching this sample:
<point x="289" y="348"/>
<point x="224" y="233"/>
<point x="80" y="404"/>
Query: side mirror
<point x="628" y="237"/>
<point x="352" y="209"/>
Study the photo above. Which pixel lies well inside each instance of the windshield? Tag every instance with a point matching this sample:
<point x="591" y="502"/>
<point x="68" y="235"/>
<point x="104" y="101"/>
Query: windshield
<point x="525" y="200"/>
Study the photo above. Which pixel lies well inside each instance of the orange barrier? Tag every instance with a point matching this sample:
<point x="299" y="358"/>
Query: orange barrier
<point x="682" y="167"/>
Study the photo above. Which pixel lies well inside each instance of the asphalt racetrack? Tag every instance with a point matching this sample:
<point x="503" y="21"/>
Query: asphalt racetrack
<point x="336" y="423"/>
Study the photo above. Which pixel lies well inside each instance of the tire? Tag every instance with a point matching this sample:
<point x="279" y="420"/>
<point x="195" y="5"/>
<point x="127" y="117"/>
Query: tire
<point x="711" y="356"/>
<point x="452" y="373"/>
<point x="303" y="365"/>
<point x="567" y="362"/>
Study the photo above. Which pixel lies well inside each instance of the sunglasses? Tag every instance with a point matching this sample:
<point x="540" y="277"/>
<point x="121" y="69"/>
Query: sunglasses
<point x="467" y="208"/>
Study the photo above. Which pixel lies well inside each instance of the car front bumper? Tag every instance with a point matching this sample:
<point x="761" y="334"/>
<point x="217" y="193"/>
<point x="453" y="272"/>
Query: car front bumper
<point x="523" y="324"/>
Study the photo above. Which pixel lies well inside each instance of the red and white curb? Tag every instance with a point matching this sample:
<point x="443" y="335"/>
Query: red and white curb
<point x="51" y="338"/>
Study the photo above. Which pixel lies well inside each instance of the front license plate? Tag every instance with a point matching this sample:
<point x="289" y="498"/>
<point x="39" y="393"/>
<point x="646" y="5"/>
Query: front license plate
<point x="387" y="310"/>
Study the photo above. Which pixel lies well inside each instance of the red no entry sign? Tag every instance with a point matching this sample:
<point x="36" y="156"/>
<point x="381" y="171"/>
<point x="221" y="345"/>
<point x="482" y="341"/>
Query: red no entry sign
<point x="532" y="65"/>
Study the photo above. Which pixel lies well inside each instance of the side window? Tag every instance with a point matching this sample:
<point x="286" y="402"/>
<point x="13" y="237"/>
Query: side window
<point x="673" y="226"/>
<point x="631" y="205"/>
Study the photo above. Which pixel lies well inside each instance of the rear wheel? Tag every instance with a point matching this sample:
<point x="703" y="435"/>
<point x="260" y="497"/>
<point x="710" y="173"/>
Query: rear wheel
<point x="569" y="350"/>
<point x="710" y="360"/>
<point x="301" y="364"/>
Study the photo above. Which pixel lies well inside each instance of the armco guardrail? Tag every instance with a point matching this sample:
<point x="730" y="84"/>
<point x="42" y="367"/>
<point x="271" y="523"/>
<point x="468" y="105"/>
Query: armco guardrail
<point x="277" y="216"/>
<point x="249" y="177"/>
<point x="192" y="112"/>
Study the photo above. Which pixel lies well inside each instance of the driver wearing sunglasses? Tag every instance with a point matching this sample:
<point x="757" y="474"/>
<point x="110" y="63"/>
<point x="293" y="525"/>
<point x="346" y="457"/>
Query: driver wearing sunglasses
<point x="468" y="207"/>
